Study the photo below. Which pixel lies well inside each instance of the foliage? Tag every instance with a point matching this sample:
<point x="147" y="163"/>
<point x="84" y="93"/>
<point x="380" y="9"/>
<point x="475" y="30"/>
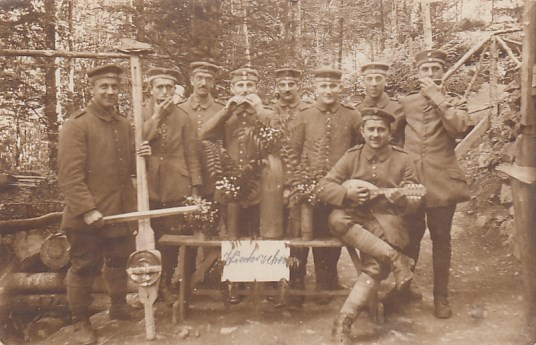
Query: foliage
<point x="234" y="182"/>
<point x="303" y="174"/>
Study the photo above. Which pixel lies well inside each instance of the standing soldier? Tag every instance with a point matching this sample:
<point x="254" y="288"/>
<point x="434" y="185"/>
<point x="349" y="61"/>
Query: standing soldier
<point x="201" y="106"/>
<point x="434" y="119"/>
<point x="287" y="106"/>
<point x="374" y="79"/>
<point x="339" y="125"/>
<point x="173" y="169"/>
<point x="95" y="166"/>
<point x="241" y="111"/>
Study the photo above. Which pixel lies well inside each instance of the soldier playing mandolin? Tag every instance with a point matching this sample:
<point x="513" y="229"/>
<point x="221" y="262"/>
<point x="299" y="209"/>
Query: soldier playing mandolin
<point x="372" y="187"/>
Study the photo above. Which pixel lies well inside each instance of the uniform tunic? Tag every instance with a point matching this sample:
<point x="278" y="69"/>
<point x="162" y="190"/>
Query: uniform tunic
<point x="430" y="132"/>
<point x="199" y="113"/>
<point x="173" y="167"/>
<point x="390" y="105"/>
<point x="95" y="161"/>
<point x="240" y="149"/>
<point x="340" y="122"/>
<point x="285" y="114"/>
<point x="385" y="169"/>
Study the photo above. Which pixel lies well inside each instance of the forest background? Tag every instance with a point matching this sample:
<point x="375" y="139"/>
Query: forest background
<point x="37" y="94"/>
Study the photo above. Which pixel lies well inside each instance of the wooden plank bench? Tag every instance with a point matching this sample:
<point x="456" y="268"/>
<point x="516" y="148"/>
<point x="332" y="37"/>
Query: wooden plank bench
<point x="187" y="284"/>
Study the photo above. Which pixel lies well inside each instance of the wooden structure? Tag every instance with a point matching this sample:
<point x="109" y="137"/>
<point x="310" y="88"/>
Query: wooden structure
<point x="187" y="285"/>
<point x="523" y="172"/>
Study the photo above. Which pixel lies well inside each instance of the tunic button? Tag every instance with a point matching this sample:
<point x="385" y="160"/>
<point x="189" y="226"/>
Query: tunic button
<point x="161" y="158"/>
<point x="373" y="175"/>
<point x="374" y="167"/>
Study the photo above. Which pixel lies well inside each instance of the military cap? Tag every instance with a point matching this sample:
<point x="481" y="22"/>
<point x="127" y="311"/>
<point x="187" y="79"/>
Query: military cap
<point x="375" y="68"/>
<point x="287" y="73"/>
<point x="377" y="114"/>
<point x="433" y="55"/>
<point x="203" y="66"/>
<point x="166" y="73"/>
<point x="327" y="74"/>
<point x="105" y="71"/>
<point x="244" y="74"/>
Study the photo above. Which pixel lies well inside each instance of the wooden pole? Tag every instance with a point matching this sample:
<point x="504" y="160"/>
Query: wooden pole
<point x="524" y="195"/>
<point x="145" y="237"/>
<point x="473" y="50"/>
<point x="477" y="72"/>
<point x="508" y="51"/>
<point x="493" y="81"/>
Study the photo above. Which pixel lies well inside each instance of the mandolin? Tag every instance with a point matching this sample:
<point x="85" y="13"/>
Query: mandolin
<point x="411" y="191"/>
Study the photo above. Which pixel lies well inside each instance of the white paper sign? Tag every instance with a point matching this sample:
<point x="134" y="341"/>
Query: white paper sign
<point x="262" y="261"/>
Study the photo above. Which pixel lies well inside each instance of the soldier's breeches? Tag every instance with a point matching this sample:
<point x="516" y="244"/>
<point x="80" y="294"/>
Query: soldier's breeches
<point x="439" y="220"/>
<point x="79" y="295"/>
<point x="89" y="252"/>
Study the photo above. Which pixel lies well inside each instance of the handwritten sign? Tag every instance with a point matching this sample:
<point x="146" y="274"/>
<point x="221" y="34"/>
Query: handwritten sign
<point x="262" y="261"/>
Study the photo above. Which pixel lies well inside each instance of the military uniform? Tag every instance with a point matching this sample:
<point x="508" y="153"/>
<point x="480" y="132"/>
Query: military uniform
<point x="226" y="127"/>
<point x="390" y="105"/>
<point x="432" y="125"/>
<point x="376" y="227"/>
<point x="173" y="168"/>
<point x="340" y="123"/>
<point x="95" y="159"/>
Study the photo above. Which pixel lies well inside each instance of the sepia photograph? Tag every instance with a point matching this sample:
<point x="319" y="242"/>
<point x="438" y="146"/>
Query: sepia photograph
<point x="269" y="172"/>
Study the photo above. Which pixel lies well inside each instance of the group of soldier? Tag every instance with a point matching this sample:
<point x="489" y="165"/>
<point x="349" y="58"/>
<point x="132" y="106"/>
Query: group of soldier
<point x="387" y="143"/>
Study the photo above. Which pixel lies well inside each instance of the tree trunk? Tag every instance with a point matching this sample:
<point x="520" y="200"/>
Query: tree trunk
<point x="427" y="24"/>
<point x="50" y="81"/>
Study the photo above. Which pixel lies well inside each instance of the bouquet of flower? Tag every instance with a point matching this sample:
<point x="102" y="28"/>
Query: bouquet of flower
<point x="204" y="221"/>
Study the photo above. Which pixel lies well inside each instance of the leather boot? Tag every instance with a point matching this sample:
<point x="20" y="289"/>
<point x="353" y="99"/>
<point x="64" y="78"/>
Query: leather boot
<point x="83" y="333"/>
<point x="79" y="298"/>
<point x="356" y="301"/>
<point x="342" y="326"/>
<point x="368" y="243"/>
<point x="442" y="308"/>
<point x="116" y="282"/>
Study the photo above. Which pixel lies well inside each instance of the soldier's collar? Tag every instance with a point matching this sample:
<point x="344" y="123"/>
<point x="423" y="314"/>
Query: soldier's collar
<point x="379" y="102"/>
<point x="323" y="107"/>
<point x="292" y="105"/>
<point x="380" y="155"/>
<point x="102" y="113"/>
<point x="204" y="104"/>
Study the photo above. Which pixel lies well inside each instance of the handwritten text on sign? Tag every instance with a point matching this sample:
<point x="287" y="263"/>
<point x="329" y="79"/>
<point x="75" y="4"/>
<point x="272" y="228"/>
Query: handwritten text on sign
<point x="247" y="261"/>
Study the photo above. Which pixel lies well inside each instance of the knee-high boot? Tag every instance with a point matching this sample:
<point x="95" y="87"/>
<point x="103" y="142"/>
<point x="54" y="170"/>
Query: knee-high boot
<point x="79" y="298"/>
<point x="356" y="301"/>
<point x="116" y="282"/>
<point x="368" y="243"/>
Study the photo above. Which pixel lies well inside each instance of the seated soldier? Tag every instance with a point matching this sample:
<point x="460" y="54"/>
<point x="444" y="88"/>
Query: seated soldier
<point x="367" y="221"/>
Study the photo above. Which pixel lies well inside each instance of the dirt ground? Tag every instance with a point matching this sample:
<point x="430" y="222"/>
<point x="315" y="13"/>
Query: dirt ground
<point x="486" y="298"/>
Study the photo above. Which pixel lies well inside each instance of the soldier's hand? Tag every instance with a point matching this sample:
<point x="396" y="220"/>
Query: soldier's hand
<point x="161" y="110"/>
<point x="357" y="195"/>
<point x="144" y="149"/>
<point x="232" y="104"/>
<point x="94" y="217"/>
<point x="396" y="198"/>
<point x="255" y="102"/>
<point x="429" y="88"/>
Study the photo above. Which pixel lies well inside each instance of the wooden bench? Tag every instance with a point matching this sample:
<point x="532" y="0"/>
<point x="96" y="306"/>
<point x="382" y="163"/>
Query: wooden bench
<point x="187" y="284"/>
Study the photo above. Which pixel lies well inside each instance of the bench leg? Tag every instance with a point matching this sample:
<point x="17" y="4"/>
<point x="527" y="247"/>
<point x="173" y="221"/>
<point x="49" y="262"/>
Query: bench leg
<point x="178" y="312"/>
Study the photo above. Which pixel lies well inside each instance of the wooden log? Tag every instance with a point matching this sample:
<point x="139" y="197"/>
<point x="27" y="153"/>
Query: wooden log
<point x="508" y="51"/>
<point x="473" y="50"/>
<point x="47" y="282"/>
<point x="517" y="43"/>
<point x="470" y="138"/>
<point x="49" y="302"/>
<point x="16" y="225"/>
<point x="477" y="72"/>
